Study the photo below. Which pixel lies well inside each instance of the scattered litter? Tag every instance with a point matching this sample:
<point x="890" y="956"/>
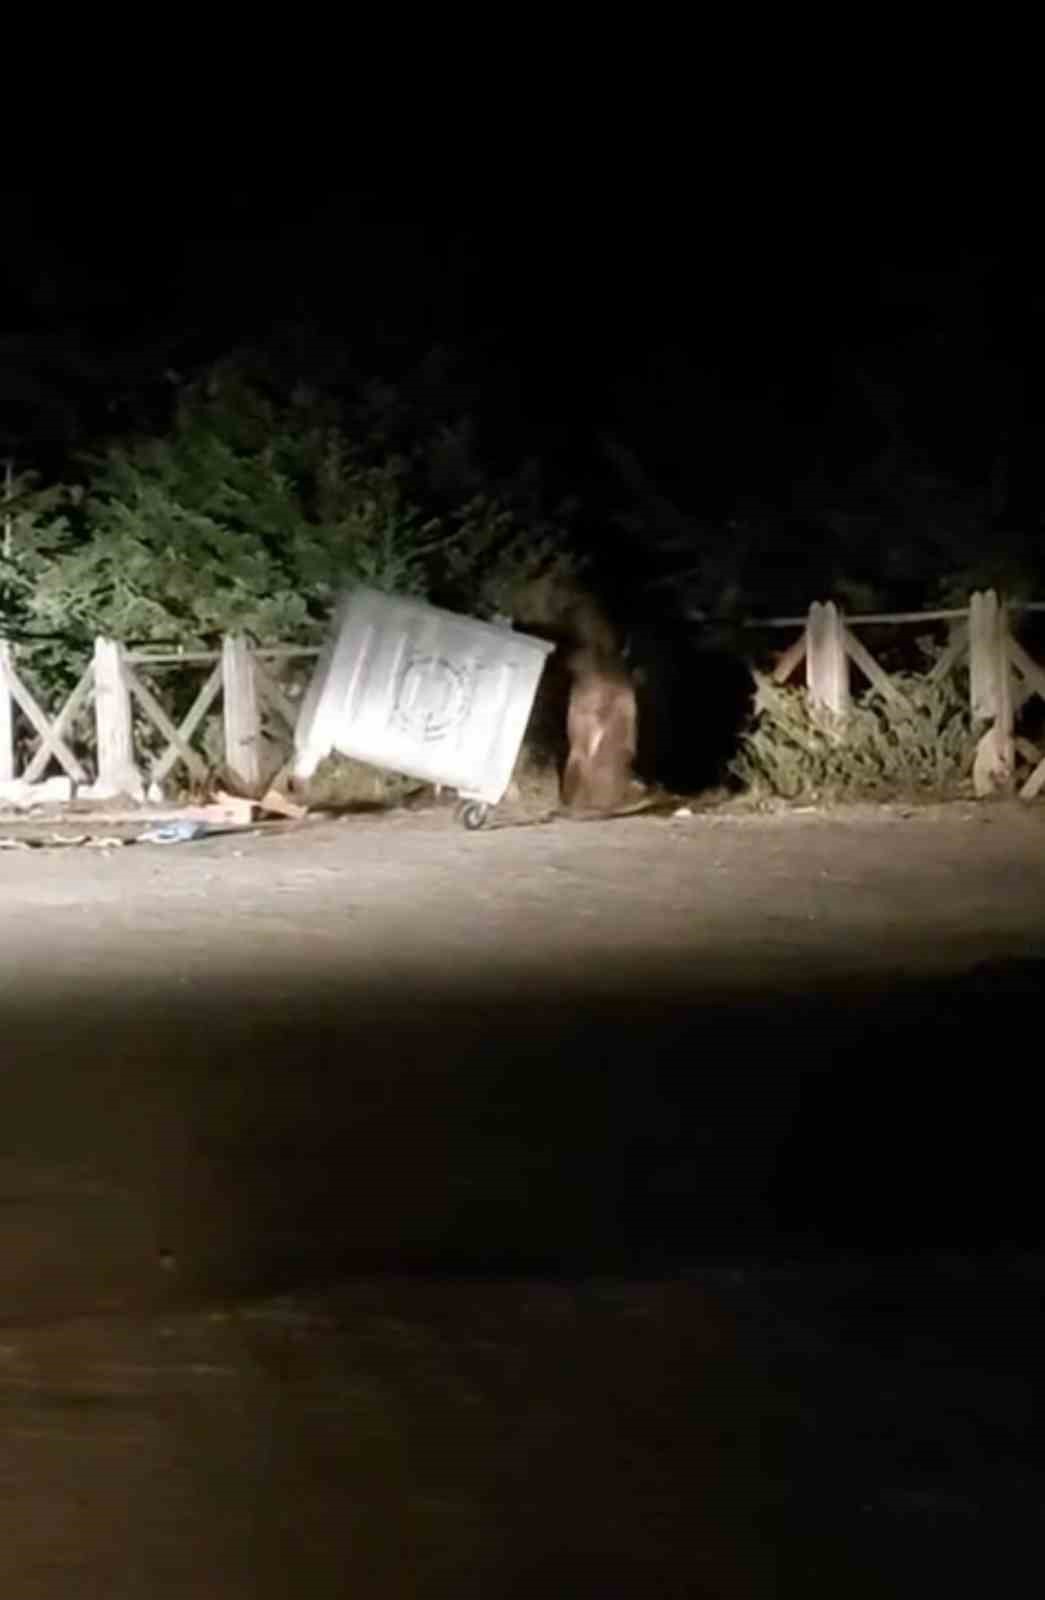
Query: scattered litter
<point x="683" y="811"/>
<point x="88" y="841"/>
<point x="229" y="816"/>
<point x="225" y="809"/>
<point x="174" y="833"/>
<point x="65" y="841"/>
<point x="278" y="805"/>
<point x="235" y="810"/>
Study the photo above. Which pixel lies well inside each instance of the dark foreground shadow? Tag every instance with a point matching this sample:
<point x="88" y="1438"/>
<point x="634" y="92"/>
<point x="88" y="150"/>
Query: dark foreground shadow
<point x="584" y="1291"/>
<point x="536" y="1129"/>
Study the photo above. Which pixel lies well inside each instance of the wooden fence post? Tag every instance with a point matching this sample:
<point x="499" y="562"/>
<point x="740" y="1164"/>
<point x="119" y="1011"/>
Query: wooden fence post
<point x="7" y="718"/>
<point x="242" y="720"/>
<point x="117" y="769"/>
<point x="990" y="692"/>
<point x="827" y="664"/>
<point x="985" y="668"/>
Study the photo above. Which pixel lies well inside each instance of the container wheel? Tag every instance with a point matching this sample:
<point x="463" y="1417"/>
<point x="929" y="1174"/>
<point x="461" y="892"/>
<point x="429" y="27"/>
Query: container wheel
<point x="473" y="814"/>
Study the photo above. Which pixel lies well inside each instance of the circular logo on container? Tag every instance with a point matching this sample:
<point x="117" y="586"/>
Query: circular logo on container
<point x="433" y="697"/>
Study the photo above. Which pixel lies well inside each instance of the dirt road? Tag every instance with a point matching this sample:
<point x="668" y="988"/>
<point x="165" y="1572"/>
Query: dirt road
<point x="379" y="1205"/>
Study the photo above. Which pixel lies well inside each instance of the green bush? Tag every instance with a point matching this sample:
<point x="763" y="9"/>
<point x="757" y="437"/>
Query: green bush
<point x="923" y="745"/>
<point x="245" y="516"/>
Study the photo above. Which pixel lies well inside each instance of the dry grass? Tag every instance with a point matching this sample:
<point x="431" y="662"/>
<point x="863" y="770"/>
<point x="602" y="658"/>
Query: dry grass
<point x="341" y="783"/>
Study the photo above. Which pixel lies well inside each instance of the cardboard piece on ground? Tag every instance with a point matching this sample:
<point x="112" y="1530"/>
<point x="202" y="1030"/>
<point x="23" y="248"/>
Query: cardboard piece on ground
<point x="232" y="810"/>
<point x="278" y="805"/>
<point x="226" y="808"/>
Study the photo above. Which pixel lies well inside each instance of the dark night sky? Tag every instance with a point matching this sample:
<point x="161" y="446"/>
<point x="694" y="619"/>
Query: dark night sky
<point x="736" y="348"/>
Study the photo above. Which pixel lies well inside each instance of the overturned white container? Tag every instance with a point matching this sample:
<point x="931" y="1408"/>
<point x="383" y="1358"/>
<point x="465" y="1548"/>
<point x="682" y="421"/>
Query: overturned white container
<point x="424" y="692"/>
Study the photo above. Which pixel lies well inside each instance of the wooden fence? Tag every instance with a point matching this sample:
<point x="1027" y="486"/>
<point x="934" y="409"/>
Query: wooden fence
<point x="1002" y="676"/>
<point x="116" y="680"/>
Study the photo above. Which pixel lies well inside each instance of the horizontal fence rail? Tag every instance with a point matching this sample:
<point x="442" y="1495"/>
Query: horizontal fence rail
<point x="866" y="618"/>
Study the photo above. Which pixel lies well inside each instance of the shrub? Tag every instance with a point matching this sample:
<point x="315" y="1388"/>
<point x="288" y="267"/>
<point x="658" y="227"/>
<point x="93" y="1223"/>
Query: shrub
<point x="921" y="744"/>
